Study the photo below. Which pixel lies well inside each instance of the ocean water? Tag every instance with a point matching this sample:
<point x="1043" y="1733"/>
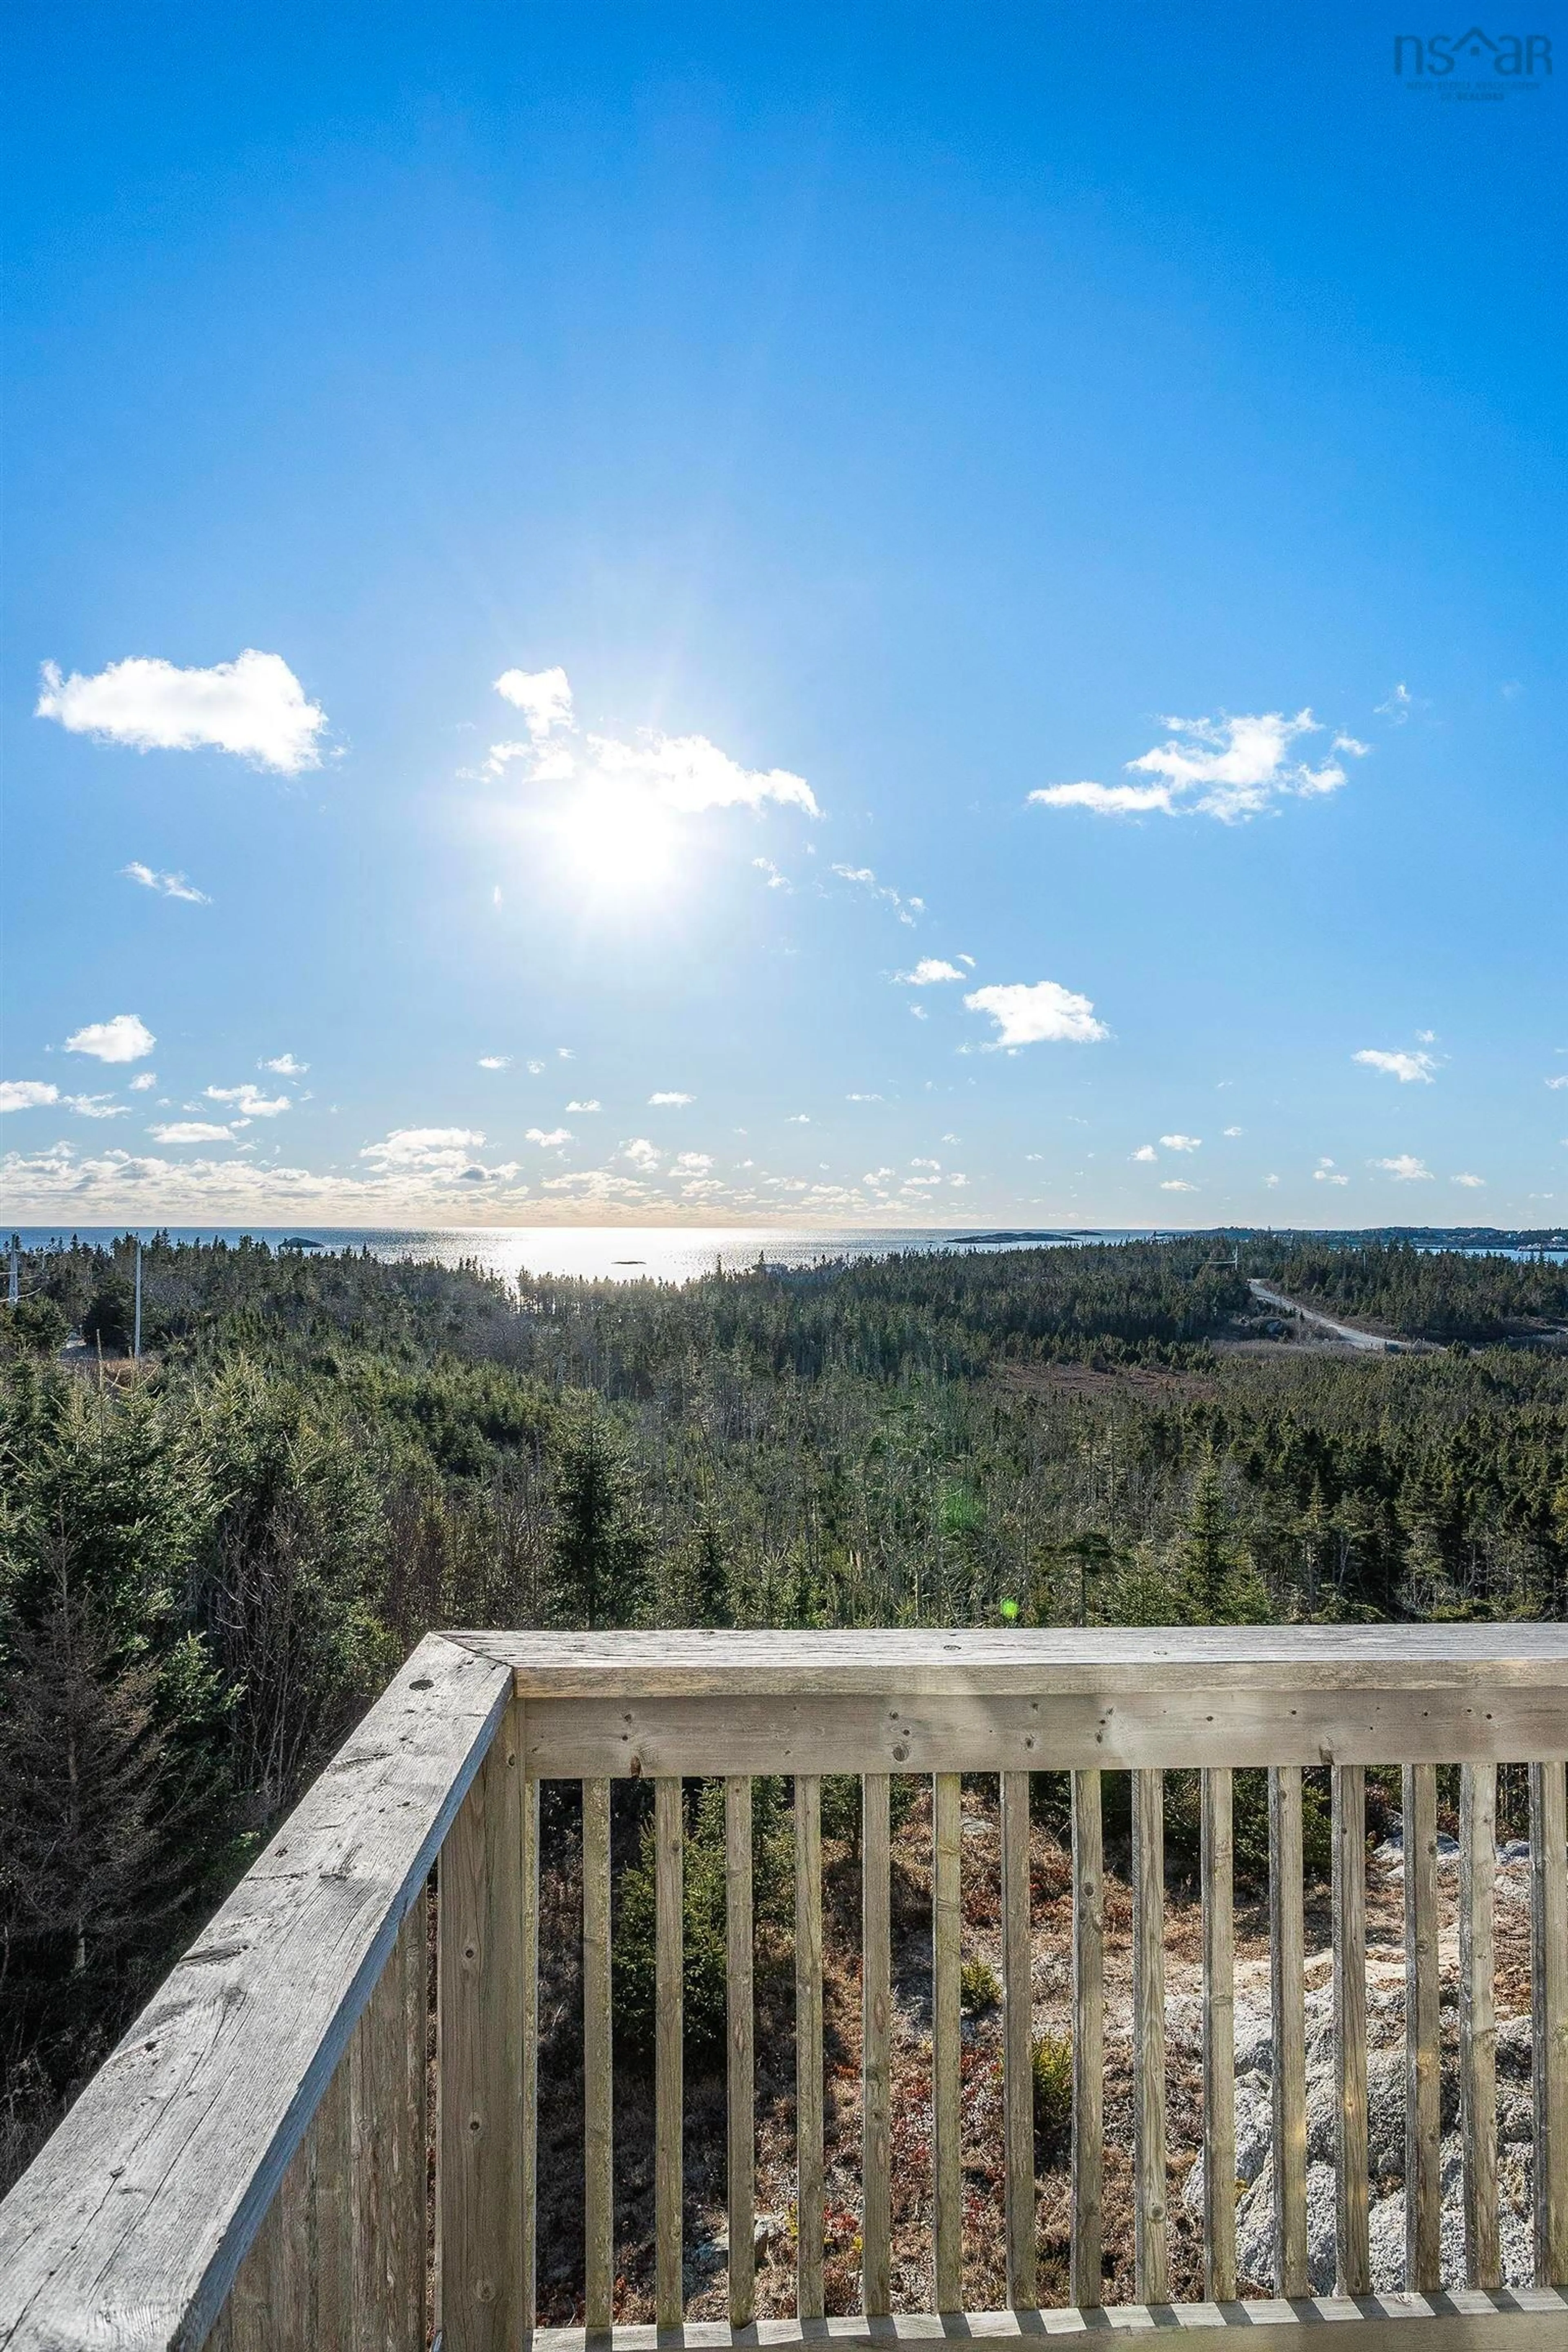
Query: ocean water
<point x="604" y="1252"/>
<point x="662" y="1252"/>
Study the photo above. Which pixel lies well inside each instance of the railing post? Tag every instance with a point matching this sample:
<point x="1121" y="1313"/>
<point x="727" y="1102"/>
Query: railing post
<point x="481" y="1976"/>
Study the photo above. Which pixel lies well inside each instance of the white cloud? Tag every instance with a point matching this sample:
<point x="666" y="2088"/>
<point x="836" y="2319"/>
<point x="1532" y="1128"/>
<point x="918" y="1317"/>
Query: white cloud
<point x="1405" y="1168"/>
<point x="776" y="881"/>
<point x="879" y="1175"/>
<point x="248" y="1100"/>
<point x="585" y="1106"/>
<point x="1557" y="1083"/>
<point x="1144" y="1151"/>
<point x="172" y="885"/>
<point x="685" y="774"/>
<point x="125" y="1187"/>
<point x="1271" y="1182"/>
<point x="958" y="1179"/>
<point x="1408" y="1068"/>
<point x="918" y="1013"/>
<point x="428" y="1150"/>
<point x="145" y="1083"/>
<point x="1324" y="1175"/>
<point x="254" y="706"/>
<point x="1234" y="1130"/>
<point x="495" y="1061"/>
<point x="1399" y="706"/>
<point x="878" y="1098"/>
<point x="1177" y="1184"/>
<point x="1471" y="1183"/>
<point x="641" y="1153"/>
<point x="1228" y="768"/>
<point x="798" y="1118"/>
<point x="1182" y="1143"/>
<point x="548" y="1139"/>
<point x="925" y="1163"/>
<point x="670" y="1100"/>
<point x="97" y="1107"/>
<point x="1039" y="1014"/>
<point x="597" y="1187"/>
<point x="284" y="1066"/>
<point x="699" y="1163"/>
<point x="535" y="1068"/>
<point x="543" y="696"/>
<point x="190" y="1130"/>
<point x="27" y="1094"/>
<point x="928" y="972"/>
<point x="126" y="1038"/>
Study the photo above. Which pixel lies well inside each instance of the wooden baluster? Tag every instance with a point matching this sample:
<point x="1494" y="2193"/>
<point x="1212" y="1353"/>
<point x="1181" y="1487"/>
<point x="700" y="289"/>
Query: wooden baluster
<point x="1549" y="2012"/>
<point x="741" y="2070"/>
<point x="1351" y="2147"/>
<point x="1423" y="2176"/>
<point x="1217" y="1873"/>
<point x="808" y="2049"/>
<point x="528" y="2024"/>
<point x="1287" y="1943"/>
<point x="481" y="1935"/>
<point x="876" y="2046"/>
<point x="598" y="2079"/>
<point x="387" y="2102"/>
<point x="946" y="2043"/>
<point x="1017" y="2027"/>
<point x="668" y="2069"/>
<point x="1478" y="2022"/>
<point x="1087" y="2040"/>
<point x="332" y="2248"/>
<point x="1150" y="2260"/>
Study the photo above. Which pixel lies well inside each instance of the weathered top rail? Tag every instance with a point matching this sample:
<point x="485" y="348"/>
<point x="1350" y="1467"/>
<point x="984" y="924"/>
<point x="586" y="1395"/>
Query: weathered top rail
<point x="129" y="2229"/>
<point x="694" y="1662"/>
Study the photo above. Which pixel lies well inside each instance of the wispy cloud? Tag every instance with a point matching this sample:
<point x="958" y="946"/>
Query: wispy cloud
<point x="670" y="1099"/>
<point x="1405" y="1168"/>
<point x="1182" y="1143"/>
<point x="1471" y="1183"/>
<point x="27" y="1094"/>
<point x="284" y="1066"/>
<point x="170" y="886"/>
<point x="1037" y="1013"/>
<point x="865" y="879"/>
<point x="641" y="1152"/>
<point x="1228" y="768"/>
<point x="588" y="1105"/>
<point x="495" y="1061"/>
<point x="1144" y="1151"/>
<point x="1410" y="1069"/>
<point x="1400" y="702"/>
<point x="776" y="881"/>
<point x="929" y="972"/>
<point x="1177" y="1184"/>
<point x="125" y="1038"/>
<point x="97" y="1107"/>
<point x="190" y="1130"/>
<point x="144" y="1084"/>
<point x="548" y="1139"/>
<point x="254" y="706"/>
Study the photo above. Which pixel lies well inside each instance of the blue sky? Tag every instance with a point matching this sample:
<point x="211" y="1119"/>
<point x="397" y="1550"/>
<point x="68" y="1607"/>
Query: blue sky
<point x="1068" y="504"/>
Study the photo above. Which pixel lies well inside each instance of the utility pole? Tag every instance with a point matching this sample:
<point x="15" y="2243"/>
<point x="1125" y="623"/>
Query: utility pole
<point x="14" y="1282"/>
<point x="136" y="1338"/>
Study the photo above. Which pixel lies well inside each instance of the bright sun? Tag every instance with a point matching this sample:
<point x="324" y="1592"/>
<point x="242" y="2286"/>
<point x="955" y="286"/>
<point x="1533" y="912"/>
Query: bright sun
<point x="617" y="838"/>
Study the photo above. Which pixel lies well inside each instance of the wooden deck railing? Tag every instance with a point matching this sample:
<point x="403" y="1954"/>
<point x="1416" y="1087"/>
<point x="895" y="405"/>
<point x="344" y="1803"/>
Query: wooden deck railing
<point x="249" y="2169"/>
